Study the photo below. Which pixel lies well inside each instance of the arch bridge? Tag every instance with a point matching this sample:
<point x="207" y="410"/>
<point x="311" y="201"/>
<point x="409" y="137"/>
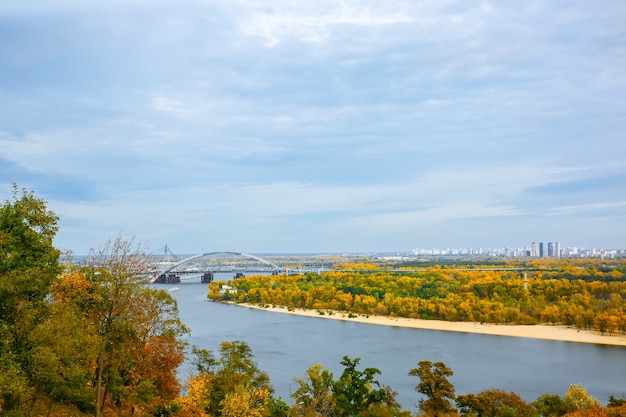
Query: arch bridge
<point x="173" y="271"/>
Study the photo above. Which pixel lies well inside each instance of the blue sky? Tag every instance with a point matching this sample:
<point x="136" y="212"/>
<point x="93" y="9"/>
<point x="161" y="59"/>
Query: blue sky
<point x="326" y="126"/>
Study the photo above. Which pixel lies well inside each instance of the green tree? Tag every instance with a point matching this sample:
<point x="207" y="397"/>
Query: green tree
<point x="434" y="384"/>
<point x="61" y="357"/>
<point x="355" y="391"/>
<point x="550" y="405"/>
<point x="277" y="407"/>
<point x="616" y="402"/>
<point x="28" y="260"/>
<point x="28" y="265"/>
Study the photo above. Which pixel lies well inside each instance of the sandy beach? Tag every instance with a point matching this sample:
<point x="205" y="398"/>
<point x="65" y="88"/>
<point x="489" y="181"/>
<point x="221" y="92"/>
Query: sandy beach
<point x="562" y="333"/>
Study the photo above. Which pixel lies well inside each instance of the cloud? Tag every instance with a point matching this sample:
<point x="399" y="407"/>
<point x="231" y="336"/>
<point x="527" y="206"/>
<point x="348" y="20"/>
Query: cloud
<point x="371" y="122"/>
<point x="171" y="106"/>
<point x="595" y="208"/>
<point x="315" y="22"/>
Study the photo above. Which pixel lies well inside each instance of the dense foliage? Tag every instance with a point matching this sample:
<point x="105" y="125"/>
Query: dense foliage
<point x="540" y="292"/>
<point x="80" y="341"/>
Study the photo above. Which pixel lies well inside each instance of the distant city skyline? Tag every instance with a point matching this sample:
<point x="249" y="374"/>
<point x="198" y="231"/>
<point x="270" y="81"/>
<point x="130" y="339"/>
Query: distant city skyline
<point x="533" y="250"/>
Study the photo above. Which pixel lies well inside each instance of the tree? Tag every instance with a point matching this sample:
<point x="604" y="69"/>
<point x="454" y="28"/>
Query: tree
<point x="551" y="314"/>
<point x="550" y="405"/>
<point x="592" y="412"/>
<point x="434" y="384"/>
<point x="28" y="265"/>
<point x="196" y="400"/>
<point x="616" y="402"/>
<point x="602" y="322"/>
<point x="277" y="407"/>
<point x="28" y="260"/>
<point x="494" y="403"/>
<point x="62" y="360"/>
<point x="136" y="330"/>
<point x="245" y="401"/>
<point x="314" y="395"/>
<point x="577" y="398"/>
<point x="354" y="392"/>
<point x="231" y="385"/>
<point x="616" y="407"/>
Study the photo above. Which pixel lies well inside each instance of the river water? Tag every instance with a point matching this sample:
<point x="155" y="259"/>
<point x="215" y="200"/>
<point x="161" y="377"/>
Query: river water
<point x="285" y="346"/>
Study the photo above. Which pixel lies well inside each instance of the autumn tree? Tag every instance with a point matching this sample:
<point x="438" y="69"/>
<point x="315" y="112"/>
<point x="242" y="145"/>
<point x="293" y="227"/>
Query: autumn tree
<point x="231" y="385"/>
<point x="577" y="398"/>
<point x="494" y="403"/>
<point x="136" y="330"/>
<point x="449" y="294"/>
<point x="314" y="395"/>
<point x="602" y="322"/>
<point x="434" y="384"/>
<point x="616" y="407"/>
<point x="596" y="411"/>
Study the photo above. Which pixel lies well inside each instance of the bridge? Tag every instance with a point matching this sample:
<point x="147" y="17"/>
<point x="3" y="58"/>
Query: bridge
<point x="171" y="272"/>
<point x="206" y="265"/>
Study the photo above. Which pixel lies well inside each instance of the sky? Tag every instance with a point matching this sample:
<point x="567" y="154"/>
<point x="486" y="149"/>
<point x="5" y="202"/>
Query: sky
<point x="336" y="126"/>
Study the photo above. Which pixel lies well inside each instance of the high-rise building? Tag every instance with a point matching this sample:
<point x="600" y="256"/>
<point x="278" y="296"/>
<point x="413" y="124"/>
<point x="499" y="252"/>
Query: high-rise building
<point x="557" y="248"/>
<point x="541" y="252"/>
<point x="551" y="252"/>
<point x="533" y="250"/>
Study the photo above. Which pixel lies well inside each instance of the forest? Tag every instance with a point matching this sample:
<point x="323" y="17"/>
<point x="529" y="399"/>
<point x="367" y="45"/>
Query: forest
<point x="99" y="340"/>
<point x="584" y="293"/>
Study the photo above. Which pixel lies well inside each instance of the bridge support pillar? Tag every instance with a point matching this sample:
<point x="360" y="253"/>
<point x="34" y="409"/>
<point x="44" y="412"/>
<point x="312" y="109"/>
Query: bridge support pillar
<point x="167" y="279"/>
<point x="206" y="277"/>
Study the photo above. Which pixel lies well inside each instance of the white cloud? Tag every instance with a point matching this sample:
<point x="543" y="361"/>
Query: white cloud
<point x="172" y="106"/>
<point x="315" y="21"/>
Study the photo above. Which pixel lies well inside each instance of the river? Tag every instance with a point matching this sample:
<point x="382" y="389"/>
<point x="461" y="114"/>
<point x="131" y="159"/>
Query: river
<point x="285" y="346"/>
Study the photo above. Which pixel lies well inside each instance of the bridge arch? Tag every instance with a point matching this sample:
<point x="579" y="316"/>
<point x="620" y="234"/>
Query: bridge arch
<point x="201" y="255"/>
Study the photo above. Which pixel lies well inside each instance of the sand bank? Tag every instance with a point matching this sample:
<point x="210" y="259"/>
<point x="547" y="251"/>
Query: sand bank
<point x="540" y="331"/>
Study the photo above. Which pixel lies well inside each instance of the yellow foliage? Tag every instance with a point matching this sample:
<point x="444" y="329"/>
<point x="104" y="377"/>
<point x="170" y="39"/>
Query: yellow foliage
<point x="246" y="402"/>
<point x="578" y="398"/>
<point x="360" y="266"/>
<point x="194" y="403"/>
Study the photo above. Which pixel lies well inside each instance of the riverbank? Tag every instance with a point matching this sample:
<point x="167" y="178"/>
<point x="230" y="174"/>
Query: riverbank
<point x="539" y="331"/>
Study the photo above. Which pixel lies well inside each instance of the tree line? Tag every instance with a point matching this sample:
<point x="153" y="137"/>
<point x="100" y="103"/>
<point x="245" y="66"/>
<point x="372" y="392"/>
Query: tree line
<point x="232" y="385"/>
<point x="98" y="340"/>
<point x="548" y="293"/>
